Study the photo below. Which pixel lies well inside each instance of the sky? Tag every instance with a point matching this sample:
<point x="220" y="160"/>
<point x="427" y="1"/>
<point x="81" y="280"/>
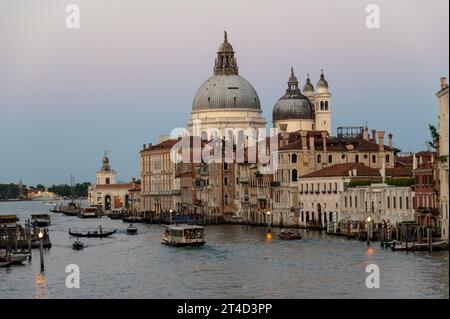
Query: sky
<point x="130" y="72"/>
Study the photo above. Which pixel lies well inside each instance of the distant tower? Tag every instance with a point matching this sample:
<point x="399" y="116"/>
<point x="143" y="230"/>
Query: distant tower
<point x="106" y="175"/>
<point x="323" y="105"/>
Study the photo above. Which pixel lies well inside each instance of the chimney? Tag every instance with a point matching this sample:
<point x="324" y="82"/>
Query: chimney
<point x="390" y="140"/>
<point x="443" y="83"/>
<point x="324" y="140"/>
<point x="303" y="135"/>
<point x="366" y="133"/>
<point x="380" y="140"/>
<point x="311" y="142"/>
<point x="373" y="137"/>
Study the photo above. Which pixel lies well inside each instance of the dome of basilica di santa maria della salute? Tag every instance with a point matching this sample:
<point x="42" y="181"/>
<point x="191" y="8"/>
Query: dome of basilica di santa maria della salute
<point x="226" y="89"/>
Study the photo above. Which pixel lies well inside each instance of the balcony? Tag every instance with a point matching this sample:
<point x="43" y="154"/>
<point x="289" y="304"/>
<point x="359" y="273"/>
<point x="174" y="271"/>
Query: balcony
<point x="275" y="184"/>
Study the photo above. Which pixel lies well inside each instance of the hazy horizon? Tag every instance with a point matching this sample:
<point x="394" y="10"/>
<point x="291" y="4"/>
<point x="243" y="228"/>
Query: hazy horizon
<point x="129" y="74"/>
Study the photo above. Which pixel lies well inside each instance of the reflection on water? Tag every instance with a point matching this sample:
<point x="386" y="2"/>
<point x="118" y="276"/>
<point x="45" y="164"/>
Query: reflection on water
<point x="236" y="262"/>
<point x="41" y="286"/>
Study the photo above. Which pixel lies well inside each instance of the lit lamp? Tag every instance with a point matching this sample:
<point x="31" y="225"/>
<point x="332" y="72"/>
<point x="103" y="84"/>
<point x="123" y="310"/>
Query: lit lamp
<point x="41" y="248"/>
<point x="368" y="229"/>
<point x="268" y="220"/>
<point x="170" y="212"/>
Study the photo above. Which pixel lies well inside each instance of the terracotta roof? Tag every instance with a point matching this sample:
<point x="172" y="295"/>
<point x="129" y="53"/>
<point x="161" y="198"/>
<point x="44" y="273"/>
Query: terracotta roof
<point x="343" y="170"/>
<point x="361" y="171"/>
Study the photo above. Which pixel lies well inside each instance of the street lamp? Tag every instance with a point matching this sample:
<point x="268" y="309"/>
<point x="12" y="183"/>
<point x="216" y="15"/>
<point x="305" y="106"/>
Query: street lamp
<point x="268" y="220"/>
<point x="368" y="230"/>
<point x="41" y="248"/>
<point x="170" y="212"/>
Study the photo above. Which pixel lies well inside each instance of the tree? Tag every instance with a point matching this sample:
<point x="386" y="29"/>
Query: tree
<point x="434" y="137"/>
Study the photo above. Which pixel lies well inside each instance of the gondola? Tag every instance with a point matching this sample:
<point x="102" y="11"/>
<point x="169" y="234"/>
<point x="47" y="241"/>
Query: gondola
<point x="288" y="235"/>
<point x="54" y="210"/>
<point x="93" y="233"/>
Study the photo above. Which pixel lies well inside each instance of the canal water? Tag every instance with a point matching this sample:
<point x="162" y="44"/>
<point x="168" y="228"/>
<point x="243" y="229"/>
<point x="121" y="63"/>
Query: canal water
<point x="237" y="262"/>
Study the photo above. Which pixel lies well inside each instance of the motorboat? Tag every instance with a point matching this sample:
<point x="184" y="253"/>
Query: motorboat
<point x="77" y="245"/>
<point x="88" y="212"/>
<point x="184" y="235"/>
<point x="40" y="220"/>
<point x="132" y="230"/>
<point x="288" y="235"/>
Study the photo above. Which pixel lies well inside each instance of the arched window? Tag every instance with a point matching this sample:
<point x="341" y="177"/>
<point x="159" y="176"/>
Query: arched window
<point x="356" y="158"/>
<point x="330" y="158"/>
<point x="225" y="199"/>
<point x="374" y="159"/>
<point x="321" y="105"/>
<point x="319" y="158"/>
<point x="387" y="158"/>
<point x="107" y="181"/>
<point x="326" y="105"/>
<point x="294" y="158"/>
<point x="294" y="175"/>
<point x="225" y="181"/>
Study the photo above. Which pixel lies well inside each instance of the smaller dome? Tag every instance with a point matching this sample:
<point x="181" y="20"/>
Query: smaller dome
<point x="322" y="83"/>
<point x="308" y="87"/>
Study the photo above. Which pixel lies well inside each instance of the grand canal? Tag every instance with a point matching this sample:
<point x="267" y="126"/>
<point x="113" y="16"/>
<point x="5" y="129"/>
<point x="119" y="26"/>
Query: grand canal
<point x="237" y="262"/>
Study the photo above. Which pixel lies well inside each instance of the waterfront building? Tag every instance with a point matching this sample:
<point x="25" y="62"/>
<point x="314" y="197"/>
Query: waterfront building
<point x="443" y="157"/>
<point x="304" y="152"/>
<point x="225" y="100"/>
<point x="352" y="192"/>
<point x="106" y="192"/>
<point x="160" y="187"/>
<point x="426" y="188"/>
<point x="307" y="111"/>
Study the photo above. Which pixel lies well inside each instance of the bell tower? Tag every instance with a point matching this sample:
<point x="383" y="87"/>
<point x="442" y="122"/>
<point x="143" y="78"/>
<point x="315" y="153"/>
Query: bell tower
<point x="105" y="175"/>
<point x="323" y="105"/>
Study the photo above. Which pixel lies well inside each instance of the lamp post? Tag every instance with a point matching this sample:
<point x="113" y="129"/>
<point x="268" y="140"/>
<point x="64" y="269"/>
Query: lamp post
<point x="368" y="230"/>
<point x="170" y="216"/>
<point x="268" y="220"/>
<point x="41" y="248"/>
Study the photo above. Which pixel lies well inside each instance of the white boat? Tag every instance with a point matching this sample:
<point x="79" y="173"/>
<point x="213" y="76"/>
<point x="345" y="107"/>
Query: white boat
<point x="45" y="196"/>
<point x="184" y="235"/>
<point x="40" y="220"/>
<point x="88" y="212"/>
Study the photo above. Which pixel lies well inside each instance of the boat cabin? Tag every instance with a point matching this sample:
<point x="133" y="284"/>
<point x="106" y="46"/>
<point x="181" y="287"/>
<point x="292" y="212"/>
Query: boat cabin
<point x="184" y="235"/>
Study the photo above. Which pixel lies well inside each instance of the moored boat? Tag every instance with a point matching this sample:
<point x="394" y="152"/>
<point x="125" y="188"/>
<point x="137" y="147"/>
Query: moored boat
<point x="132" y="230"/>
<point x="97" y="233"/>
<point x="40" y="220"/>
<point x="132" y="219"/>
<point x="184" y="235"/>
<point x="288" y="235"/>
<point x="88" y="212"/>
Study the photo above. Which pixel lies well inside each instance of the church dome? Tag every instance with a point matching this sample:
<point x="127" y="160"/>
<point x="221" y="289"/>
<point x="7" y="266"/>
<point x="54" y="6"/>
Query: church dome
<point x="308" y="87"/>
<point x="322" y="83"/>
<point x="226" y="89"/>
<point x="226" y="92"/>
<point x="293" y="105"/>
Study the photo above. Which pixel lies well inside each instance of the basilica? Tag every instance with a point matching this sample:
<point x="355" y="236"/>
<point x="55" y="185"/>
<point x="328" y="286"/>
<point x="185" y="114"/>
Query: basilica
<point x="227" y="100"/>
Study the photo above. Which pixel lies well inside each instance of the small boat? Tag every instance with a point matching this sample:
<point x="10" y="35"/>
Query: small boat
<point x="288" y="235"/>
<point x="132" y="230"/>
<point x="40" y="220"/>
<point x="88" y="212"/>
<point x="184" y="235"/>
<point x="5" y="263"/>
<point x="77" y="245"/>
<point x="413" y="246"/>
<point x="14" y="258"/>
<point x="98" y="233"/>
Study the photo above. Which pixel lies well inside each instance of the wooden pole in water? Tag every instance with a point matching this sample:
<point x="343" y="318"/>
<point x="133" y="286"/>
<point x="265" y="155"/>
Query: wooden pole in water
<point x="429" y="239"/>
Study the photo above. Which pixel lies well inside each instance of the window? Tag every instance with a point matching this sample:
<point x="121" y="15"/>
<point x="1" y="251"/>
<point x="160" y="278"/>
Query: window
<point x="225" y="166"/>
<point x="345" y="201"/>
<point x="294" y="175"/>
<point x="356" y="158"/>
<point x="400" y="202"/>
<point x="407" y="202"/>
<point x="326" y="105"/>
<point x="356" y="202"/>
<point x="387" y="158"/>
<point x="374" y="159"/>
<point x="294" y="158"/>
<point x="225" y="199"/>
<point x="388" y="202"/>
<point x="319" y="158"/>
<point x="394" y="202"/>
<point x="225" y="181"/>
<point x="350" y="202"/>
<point x="107" y="181"/>
<point x="330" y="158"/>
<point x="321" y="105"/>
